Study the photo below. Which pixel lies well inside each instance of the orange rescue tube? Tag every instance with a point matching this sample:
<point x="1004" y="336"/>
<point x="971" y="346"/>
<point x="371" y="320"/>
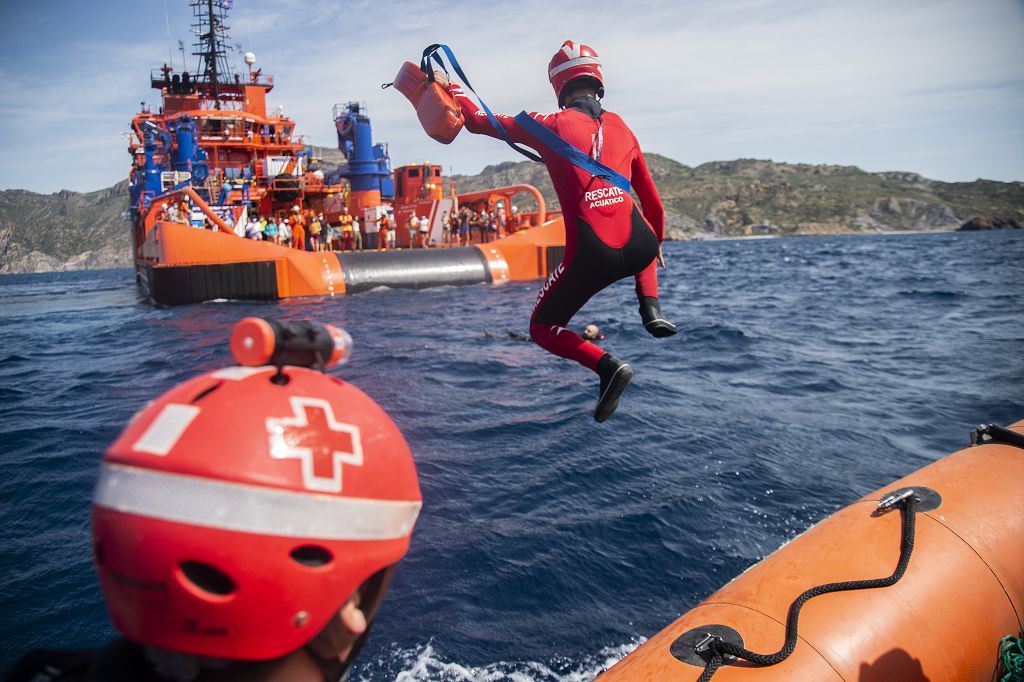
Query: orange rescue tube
<point x="439" y="114"/>
<point x="962" y="592"/>
<point x="256" y="341"/>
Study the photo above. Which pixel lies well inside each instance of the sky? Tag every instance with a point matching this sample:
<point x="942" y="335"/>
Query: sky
<point x="935" y="87"/>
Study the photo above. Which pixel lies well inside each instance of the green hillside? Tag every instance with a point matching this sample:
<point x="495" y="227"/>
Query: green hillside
<point x="748" y="196"/>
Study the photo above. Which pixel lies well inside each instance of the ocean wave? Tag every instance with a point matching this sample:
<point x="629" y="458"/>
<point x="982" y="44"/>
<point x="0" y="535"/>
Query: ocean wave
<point x="543" y="534"/>
<point x="424" y="663"/>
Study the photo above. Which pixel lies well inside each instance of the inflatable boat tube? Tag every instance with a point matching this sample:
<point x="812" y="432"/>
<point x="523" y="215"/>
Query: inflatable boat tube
<point x="963" y="589"/>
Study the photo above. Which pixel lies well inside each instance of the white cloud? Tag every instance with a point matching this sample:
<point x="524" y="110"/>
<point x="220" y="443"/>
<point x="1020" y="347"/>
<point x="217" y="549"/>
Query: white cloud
<point x="933" y="86"/>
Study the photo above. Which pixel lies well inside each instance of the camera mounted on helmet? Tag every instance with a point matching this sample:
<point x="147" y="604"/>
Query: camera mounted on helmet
<point x="256" y="342"/>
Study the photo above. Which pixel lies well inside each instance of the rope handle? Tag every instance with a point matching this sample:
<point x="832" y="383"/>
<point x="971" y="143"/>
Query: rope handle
<point x="907" y="504"/>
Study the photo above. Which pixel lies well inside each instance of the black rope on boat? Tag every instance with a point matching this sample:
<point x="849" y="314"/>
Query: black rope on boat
<point x="719" y="649"/>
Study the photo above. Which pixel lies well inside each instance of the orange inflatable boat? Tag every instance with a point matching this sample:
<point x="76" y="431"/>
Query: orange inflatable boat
<point x="942" y="620"/>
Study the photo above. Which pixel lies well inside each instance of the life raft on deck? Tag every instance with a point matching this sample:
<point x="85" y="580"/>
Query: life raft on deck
<point x="962" y="591"/>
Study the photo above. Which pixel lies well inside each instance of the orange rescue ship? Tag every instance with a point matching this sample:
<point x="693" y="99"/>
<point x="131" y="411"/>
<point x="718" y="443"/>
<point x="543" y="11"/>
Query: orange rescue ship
<point x="213" y="156"/>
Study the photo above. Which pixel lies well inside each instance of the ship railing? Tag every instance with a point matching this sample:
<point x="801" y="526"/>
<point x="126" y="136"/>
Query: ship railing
<point x="320" y="185"/>
<point x="157" y="77"/>
<point x="490" y="197"/>
<point x="151" y="215"/>
<point x="287" y="183"/>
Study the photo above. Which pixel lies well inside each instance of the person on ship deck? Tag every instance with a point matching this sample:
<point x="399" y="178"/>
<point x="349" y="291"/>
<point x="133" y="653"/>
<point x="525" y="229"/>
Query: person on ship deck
<point x="414" y="228"/>
<point x="384" y="233"/>
<point x="298" y="230"/>
<point x="424" y="232"/>
<point x="284" y="229"/>
<point x="271" y="231"/>
<point x="372" y="230"/>
<point x="315" y="228"/>
<point x="515" y="221"/>
<point x="357" y="234"/>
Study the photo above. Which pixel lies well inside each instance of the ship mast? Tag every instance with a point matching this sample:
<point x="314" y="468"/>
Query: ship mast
<point x="211" y="30"/>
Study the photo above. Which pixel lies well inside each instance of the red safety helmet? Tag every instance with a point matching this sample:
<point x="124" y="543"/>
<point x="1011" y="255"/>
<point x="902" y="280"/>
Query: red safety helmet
<point x="573" y="61"/>
<point x="235" y="514"/>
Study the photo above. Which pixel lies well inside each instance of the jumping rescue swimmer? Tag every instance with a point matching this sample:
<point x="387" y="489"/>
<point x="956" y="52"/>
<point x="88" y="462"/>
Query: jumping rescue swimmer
<point x="607" y="237"/>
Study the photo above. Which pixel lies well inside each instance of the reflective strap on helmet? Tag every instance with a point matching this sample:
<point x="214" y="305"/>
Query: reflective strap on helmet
<point x="239" y="507"/>
<point x="431" y="54"/>
<point x="577" y="61"/>
<point x="563" y="148"/>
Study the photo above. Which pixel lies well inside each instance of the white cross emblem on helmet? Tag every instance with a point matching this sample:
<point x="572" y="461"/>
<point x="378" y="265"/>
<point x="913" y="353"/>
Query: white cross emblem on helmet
<point x="318" y="440"/>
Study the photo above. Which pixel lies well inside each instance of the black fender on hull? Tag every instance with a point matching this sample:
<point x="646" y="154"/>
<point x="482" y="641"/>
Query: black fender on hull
<point x="414" y="268"/>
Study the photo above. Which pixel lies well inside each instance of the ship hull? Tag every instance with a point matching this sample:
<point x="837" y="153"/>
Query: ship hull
<point x="180" y="264"/>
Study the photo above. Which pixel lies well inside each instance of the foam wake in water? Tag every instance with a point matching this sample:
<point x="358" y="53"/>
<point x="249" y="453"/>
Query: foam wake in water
<point x="424" y="663"/>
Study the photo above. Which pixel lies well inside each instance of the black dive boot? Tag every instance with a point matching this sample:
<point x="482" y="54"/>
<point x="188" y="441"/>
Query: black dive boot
<point x="615" y="376"/>
<point x="654" y="322"/>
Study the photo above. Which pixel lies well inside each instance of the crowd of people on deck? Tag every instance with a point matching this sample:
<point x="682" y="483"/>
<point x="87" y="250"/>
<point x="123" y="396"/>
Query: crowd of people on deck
<point x="471" y="223"/>
<point x="305" y="229"/>
<point x="176" y="212"/>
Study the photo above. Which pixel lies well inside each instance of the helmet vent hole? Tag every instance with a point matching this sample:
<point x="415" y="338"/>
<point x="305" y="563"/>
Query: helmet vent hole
<point x="208" y="578"/>
<point x="313" y="556"/>
<point x="206" y="391"/>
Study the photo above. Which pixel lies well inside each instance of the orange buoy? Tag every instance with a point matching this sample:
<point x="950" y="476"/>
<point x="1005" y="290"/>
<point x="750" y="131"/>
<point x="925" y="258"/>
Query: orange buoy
<point x="439" y="114"/>
<point x="962" y="591"/>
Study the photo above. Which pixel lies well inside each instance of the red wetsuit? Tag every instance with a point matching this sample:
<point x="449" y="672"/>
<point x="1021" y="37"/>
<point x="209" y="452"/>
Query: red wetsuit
<point x="606" y="236"/>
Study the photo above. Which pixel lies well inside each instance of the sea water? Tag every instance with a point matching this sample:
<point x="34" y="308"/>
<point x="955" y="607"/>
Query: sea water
<point x="807" y="373"/>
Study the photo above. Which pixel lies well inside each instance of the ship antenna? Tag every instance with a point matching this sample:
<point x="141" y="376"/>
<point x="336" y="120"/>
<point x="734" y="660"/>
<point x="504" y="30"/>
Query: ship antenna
<point x="211" y="59"/>
<point x="211" y="31"/>
<point x="167" y="21"/>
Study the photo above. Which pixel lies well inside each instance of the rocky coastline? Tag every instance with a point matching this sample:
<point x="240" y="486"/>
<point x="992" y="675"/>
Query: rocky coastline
<point x="720" y="199"/>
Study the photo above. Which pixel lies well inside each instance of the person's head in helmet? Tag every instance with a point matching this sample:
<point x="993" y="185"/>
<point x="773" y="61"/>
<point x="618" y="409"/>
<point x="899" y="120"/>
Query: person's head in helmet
<point x="575" y="70"/>
<point x="247" y="523"/>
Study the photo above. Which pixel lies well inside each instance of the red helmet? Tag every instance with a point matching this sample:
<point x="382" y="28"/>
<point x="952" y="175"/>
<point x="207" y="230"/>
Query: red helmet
<point x="572" y="61"/>
<point x="236" y="513"/>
